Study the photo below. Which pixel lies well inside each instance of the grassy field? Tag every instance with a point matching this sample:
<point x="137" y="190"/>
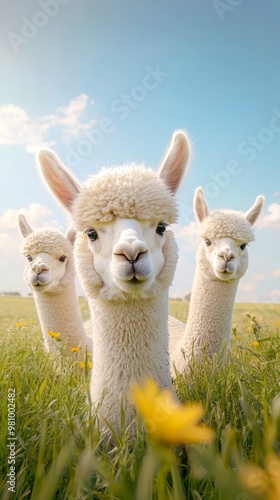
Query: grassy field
<point x="57" y="450"/>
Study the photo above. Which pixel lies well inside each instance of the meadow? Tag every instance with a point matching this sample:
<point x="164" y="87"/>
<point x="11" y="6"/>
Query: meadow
<point x="59" y="453"/>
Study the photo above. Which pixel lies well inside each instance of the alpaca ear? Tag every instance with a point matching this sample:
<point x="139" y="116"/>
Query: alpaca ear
<point x="253" y="213"/>
<point x="61" y="182"/>
<point x="174" y="164"/>
<point x="24" y="227"/>
<point x="200" y="206"/>
<point x="71" y="236"/>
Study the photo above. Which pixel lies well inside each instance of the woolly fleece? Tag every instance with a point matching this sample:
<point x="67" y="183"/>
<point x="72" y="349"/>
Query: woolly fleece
<point x="130" y="329"/>
<point x="57" y="307"/>
<point x="48" y="241"/>
<point x="227" y="224"/>
<point x="212" y="300"/>
<point x="208" y="324"/>
<point x="127" y="192"/>
<point x="130" y="340"/>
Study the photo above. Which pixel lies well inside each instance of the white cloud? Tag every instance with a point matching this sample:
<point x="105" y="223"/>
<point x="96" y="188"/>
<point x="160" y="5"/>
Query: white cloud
<point x="277" y="193"/>
<point x="70" y="116"/>
<point x="188" y="235"/>
<point x="18" y="128"/>
<point x="271" y="218"/>
<point x="247" y="287"/>
<point x="36" y="214"/>
<point x="258" y="277"/>
<point x="277" y="272"/>
<point x="275" y="296"/>
<point x="9" y="247"/>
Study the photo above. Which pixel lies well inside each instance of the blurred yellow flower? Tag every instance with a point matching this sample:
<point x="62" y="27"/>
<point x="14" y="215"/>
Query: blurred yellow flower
<point x="81" y="364"/>
<point x="256" y="343"/>
<point x="167" y="419"/>
<point x="55" y="335"/>
<point x="21" y="323"/>
<point x="75" y="349"/>
<point x="263" y="481"/>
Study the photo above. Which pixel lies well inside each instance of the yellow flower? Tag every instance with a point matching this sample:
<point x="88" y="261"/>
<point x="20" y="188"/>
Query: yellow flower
<point x="168" y="420"/>
<point x="81" y="364"/>
<point x="54" y="335"/>
<point x="256" y="343"/>
<point x="75" y="349"/>
<point x="21" y="323"/>
<point x="261" y="481"/>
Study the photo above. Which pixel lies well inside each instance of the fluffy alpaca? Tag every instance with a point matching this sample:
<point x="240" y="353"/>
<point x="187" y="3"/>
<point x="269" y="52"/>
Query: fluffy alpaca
<point x="221" y="260"/>
<point x="125" y="260"/>
<point x="50" y="274"/>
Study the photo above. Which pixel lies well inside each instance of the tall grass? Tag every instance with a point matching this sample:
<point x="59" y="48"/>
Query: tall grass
<point x="61" y="454"/>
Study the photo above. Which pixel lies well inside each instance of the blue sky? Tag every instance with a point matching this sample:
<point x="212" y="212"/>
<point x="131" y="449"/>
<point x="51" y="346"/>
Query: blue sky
<point x="107" y="82"/>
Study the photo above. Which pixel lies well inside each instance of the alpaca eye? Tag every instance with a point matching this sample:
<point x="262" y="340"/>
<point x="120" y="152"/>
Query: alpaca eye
<point x="243" y="246"/>
<point x="29" y="258"/>
<point x="208" y="243"/>
<point x="161" y="228"/>
<point x="62" y="258"/>
<point x="92" y="234"/>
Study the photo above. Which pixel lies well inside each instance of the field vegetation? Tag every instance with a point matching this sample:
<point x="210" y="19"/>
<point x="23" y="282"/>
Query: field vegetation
<point x="60" y="453"/>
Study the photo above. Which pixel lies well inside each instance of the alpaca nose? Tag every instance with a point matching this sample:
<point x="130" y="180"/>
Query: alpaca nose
<point x="226" y="254"/>
<point x="40" y="266"/>
<point x="131" y="248"/>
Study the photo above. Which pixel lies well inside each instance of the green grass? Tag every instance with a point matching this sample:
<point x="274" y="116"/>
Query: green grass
<point x="58" y="450"/>
<point x="23" y="308"/>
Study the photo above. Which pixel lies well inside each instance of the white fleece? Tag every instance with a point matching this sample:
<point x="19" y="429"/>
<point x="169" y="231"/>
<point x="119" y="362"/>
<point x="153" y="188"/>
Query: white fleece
<point x="130" y="340"/>
<point x="212" y="299"/>
<point x="57" y="307"/>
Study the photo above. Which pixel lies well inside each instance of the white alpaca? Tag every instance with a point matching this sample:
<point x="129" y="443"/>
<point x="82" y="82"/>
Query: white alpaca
<point x="50" y="274"/>
<point x="126" y="260"/>
<point x="221" y="260"/>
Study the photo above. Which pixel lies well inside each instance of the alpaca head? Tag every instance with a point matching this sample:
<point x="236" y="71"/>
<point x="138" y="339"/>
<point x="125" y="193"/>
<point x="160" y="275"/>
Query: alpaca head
<point x="223" y="255"/>
<point x="121" y="215"/>
<point x="49" y="257"/>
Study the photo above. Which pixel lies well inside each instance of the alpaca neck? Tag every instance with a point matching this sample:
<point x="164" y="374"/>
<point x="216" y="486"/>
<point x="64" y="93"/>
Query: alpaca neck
<point x="130" y="344"/>
<point x="59" y="312"/>
<point x="209" y="319"/>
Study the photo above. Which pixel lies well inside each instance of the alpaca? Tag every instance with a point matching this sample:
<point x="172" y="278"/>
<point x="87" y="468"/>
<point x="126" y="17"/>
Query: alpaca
<point x="125" y="259"/>
<point x="50" y="275"/>
<point x="221" y="260"/>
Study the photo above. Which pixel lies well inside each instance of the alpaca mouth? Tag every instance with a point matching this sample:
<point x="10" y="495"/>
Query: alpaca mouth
<point x="134" y="284"/>
<point x="225" y="268"/>
<point x="136" y="280"/>
<point x="38" y="283"/>
<point x="225" y="275"/>
<point x="134" y="275"/>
